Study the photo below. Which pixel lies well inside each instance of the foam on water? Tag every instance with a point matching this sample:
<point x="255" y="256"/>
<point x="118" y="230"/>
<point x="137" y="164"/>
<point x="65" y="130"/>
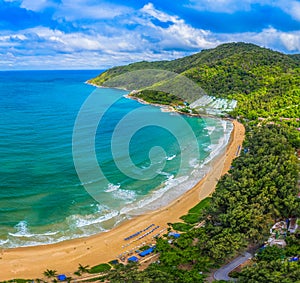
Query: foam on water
<point x="87" y="220"/>
<point x="111" y="188"/>
<point x="210" y="129"/>
<point x="171" y="157"/>
<point x="127" y="195"/>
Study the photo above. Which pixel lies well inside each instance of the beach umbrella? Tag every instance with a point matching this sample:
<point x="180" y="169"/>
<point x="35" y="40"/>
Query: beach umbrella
<point x="61" y="277"/>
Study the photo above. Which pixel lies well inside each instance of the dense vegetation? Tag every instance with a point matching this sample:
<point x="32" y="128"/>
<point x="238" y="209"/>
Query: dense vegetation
<point x="159" y="97"/>
<point x="264" y="82"/>
<point x="274" y="265"/>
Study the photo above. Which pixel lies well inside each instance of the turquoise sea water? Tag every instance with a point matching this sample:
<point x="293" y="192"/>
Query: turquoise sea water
<point x="42" y="199"/>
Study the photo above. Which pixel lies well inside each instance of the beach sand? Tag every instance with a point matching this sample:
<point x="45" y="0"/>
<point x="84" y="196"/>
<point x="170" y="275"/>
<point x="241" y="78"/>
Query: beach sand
<point x="31" y="262"/>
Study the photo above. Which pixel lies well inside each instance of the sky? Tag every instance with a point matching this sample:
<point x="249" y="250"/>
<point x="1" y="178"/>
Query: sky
<point x="98" y="34"/>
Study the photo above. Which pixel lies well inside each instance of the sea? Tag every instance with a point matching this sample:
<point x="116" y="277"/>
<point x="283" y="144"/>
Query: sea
<point x="76" y="160"/>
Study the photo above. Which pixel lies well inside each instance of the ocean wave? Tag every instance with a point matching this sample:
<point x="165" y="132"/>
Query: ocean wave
<point x="210" y="129"/>
<point x="169" y="158"/>
<point x="148" y="202"/>
<point x="23" y="231"/>
<point x="111" y="188"/>
<point x="127" y="195"/>
<point x="90" y="182"/>
<point x="87" y="220"/>
<point x="168" y="175"/>
<point x="194" y="162"/>
<point x="2" y="242"/>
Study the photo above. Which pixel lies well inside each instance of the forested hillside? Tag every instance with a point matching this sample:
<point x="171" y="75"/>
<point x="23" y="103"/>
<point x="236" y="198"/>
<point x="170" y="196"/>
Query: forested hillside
<point x="265" y="83"/>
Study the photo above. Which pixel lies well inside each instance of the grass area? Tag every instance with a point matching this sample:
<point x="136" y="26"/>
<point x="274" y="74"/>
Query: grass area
<point x="98" y="279"/>
<point x="100" y="268"/>
<point x="194" y="213"/>
<point x="182" y="227"/>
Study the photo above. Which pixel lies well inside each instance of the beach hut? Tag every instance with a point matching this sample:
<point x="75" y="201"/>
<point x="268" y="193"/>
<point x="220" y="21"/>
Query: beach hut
<point x="133" y="259"/>
<point x="146" y="252"/>
<point x="61" y="277"/>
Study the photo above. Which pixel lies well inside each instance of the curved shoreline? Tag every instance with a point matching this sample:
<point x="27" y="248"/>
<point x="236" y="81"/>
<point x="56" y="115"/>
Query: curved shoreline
<point x="30" y="262"/>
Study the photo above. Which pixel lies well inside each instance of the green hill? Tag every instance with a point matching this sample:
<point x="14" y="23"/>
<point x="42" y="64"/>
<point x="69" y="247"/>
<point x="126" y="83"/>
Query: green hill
<point x="265" y="83"/>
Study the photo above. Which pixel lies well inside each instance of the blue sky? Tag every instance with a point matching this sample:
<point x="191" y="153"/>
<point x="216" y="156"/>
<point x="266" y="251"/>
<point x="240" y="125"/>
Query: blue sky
<point x="96" y="34"/>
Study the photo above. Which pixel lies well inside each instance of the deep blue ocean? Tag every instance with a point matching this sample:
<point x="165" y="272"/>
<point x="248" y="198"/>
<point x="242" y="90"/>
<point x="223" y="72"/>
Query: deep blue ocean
<point x="43" y="199"/>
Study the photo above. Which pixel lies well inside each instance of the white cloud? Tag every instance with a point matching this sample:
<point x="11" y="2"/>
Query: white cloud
<point x="178" y="34"/>
<point x="291" y="7"/>
<point x="225" y="6"/>
<point x="291" y="41"/>
<point x="37" y="5"/>
<point x="153" y="35"/>
<point x="270" y="37"/>
<point x="163" y="17"/>
<point x="79" y="9"/>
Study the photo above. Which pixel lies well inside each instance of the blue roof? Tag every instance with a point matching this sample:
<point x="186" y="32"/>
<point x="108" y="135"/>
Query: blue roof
<point x="146" y="252"/>
<point x="133" y="258"/>
<point x="61" y="277"/>
<point x="175" y="235"/>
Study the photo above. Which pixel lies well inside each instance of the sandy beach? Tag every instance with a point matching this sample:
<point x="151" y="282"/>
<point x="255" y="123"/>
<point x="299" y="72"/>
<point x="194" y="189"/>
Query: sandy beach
<point x="31" y="262"/>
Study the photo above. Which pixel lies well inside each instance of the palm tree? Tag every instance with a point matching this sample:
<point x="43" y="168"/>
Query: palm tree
<point x="83" y="268"/>
<point x="50" y="273"/>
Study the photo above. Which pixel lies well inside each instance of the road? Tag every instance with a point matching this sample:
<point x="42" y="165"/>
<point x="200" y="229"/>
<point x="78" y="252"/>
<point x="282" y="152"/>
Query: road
<point x="222" y="273"/>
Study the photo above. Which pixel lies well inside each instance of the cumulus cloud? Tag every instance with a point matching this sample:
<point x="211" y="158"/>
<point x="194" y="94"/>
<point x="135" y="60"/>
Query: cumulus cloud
<point x="225" y="6"/>
<point x="177" y="34"/>
<point x="100" y="34"/>
<point x="269" y="37"/>
<point x="35" y="5"/>
<point x="81" y="9"/>
<point x="291" y="7"/>
<point x="164" y="17"/>
<point x="77" y="9"/>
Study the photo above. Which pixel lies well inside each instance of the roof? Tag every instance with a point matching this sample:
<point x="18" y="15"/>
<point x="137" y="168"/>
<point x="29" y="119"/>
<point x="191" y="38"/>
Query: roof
<point x="175" y="235"/>
<point x="146" y="252"/>
<point x="133" y="258"/>
<point x="61" y="277"/>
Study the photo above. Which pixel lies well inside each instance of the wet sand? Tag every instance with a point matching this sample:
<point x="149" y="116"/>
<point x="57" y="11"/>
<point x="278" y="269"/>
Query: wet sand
<point x="31" y="262"/>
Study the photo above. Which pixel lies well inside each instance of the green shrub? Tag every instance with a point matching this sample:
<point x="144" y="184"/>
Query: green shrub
<point x="182" y="227"/>
<point x="194" y="213"/>
<point x="100" y="268"/>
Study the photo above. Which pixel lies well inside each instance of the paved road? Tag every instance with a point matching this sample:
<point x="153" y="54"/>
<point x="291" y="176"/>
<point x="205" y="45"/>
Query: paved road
<point x="222" y="273"/>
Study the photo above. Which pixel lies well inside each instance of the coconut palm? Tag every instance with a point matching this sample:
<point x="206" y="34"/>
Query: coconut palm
<point x="50" y="273"/>
<point x="83" y="268"/>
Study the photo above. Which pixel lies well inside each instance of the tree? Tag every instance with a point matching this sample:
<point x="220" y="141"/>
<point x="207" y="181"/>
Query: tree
<point x="50" y="273"/>
<point x="83" y="268"/>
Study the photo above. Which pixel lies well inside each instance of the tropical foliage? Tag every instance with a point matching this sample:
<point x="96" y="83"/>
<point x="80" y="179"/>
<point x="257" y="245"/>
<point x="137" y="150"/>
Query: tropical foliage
<point x="272" y="264"/>
<point x="264" y="82"/>
<point x="158" y="97"/>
